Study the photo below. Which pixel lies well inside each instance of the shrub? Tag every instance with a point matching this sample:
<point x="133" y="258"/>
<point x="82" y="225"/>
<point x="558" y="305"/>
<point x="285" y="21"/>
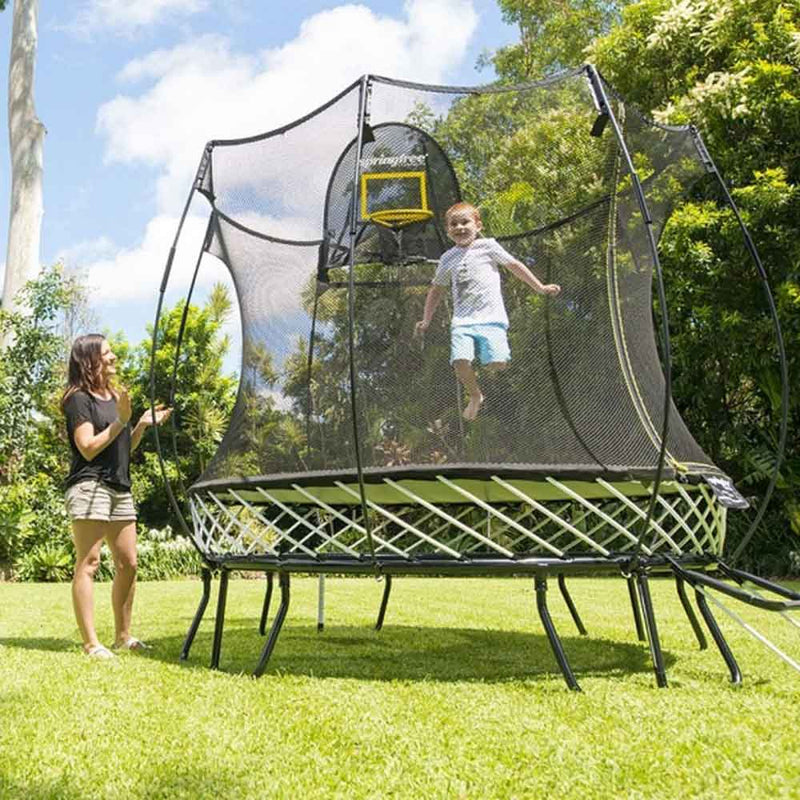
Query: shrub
<point x="161" y="556"/>
<point x="50" y="563"/>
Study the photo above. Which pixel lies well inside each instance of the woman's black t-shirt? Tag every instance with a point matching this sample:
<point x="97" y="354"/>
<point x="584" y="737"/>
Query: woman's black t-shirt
<point x="112" y="465"/>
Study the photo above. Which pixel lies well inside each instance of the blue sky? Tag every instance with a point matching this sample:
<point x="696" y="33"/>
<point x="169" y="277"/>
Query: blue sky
<point x="130" y="91"/>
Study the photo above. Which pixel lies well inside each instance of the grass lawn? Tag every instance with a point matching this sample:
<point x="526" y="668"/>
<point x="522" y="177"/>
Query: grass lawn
<point x="458" y="696"/>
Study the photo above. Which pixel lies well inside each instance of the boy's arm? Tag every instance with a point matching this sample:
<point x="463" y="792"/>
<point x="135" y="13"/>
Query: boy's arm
<point x="432" y="300"/>
<point x="526" y="276"/>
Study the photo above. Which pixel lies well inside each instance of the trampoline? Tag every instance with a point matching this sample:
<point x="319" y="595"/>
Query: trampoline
<point x="347" y="451"/>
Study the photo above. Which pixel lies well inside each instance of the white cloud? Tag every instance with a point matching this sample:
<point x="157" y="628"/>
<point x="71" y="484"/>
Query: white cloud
<point x="118" y="274"/>
<point x="122" y="274"/>
<point x="87" y="252"/>
<point x="129" y="16"/>
<point x="202" y="90"/>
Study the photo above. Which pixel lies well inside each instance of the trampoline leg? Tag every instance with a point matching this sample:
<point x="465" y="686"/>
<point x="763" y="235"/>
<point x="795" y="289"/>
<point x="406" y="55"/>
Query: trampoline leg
<point x="220" y="620"/>
<point x="387" y="588"/>
<point x="687" y="607"/>
<point x="562" y="585"/>
<point x="321" y="603"/>
<point x="262" y="625"/>
<point x="637" y="614"/>
<point x="552" y="635"/>
<point x="652" y="631"/>
<point x="719" y="639"/>
<point x="277" y="624"/>
<point x="198" y="616"/>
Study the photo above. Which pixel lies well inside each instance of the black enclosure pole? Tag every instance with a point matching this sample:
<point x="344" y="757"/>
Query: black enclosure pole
<point x="784" y="367"/>
<point x="605" y="108"/>
<point x="363" y="100"/>
<point x="179" y="343"/>
<point x="204" y="162"/>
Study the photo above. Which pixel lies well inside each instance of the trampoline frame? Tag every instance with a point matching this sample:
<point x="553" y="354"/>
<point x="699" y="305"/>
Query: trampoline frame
<point x="230" y="526"/>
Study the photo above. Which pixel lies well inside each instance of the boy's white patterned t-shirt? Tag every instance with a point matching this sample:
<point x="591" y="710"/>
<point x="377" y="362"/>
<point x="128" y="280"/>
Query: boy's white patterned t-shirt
<point x="473" y="274"/>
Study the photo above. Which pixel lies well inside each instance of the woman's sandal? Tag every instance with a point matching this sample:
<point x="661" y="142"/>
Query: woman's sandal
<point x="132" y="643"/>
<point x="99" y="652"/>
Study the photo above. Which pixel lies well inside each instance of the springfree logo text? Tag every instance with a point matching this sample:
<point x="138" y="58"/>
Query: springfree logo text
<point x="384" y="162"/>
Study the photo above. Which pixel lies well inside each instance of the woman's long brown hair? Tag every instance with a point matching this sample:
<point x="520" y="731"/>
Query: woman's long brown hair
<point x="85" y="370"/>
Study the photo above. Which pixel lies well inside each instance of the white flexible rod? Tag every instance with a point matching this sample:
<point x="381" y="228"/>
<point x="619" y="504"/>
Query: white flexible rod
<point x="751" y="630"/>
<point x="321" y="601"/>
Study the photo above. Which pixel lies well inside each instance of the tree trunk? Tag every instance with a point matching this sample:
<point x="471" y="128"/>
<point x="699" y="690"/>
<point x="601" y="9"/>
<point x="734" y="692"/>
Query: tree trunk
<point x="26" y="139"/>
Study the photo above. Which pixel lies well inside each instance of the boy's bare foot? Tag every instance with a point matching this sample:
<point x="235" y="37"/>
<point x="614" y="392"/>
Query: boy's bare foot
<point x="473" y="407"/>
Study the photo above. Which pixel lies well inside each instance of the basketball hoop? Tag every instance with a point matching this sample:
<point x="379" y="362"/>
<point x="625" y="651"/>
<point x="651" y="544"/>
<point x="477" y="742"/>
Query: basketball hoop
<point x="394" y="200"/>
<point x="395" y="218"/>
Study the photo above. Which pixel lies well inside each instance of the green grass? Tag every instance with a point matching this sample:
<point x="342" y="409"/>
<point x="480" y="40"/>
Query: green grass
<point x="458" y="696"/>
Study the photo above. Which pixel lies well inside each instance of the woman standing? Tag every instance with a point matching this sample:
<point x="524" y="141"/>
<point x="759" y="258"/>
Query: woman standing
<point x="98" y="497"/>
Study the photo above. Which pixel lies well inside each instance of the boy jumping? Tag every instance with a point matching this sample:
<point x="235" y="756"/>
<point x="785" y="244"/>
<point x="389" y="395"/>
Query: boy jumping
<point x="480" y="322"/>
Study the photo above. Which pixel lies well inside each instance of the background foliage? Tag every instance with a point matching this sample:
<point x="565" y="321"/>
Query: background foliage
<point x="35" y="539"/>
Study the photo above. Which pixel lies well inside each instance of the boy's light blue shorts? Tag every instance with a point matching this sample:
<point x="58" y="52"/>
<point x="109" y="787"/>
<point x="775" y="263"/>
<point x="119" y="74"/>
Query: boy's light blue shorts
<point x="488" y="340"/>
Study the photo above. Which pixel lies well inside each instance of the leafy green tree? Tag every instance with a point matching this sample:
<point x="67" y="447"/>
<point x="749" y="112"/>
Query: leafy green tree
<point x="733" y="68"/>
<point x="31" y="370"/>
<point x="32" y="462"/>
<point x="202" y="404"/>
<point x="552" y="36"/>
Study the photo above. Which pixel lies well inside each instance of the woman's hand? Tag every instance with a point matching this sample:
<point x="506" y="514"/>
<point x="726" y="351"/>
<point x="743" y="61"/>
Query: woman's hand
<point x="162" y="415"/>
<point x="123" y="406"/>
<point x="551" y="288"/>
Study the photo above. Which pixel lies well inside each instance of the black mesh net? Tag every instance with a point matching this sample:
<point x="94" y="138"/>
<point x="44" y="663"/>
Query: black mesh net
<point x="301" y="219"/>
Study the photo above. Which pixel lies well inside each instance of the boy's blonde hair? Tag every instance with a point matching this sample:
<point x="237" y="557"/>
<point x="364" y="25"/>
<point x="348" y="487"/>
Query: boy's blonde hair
<point x="466" y="207"/>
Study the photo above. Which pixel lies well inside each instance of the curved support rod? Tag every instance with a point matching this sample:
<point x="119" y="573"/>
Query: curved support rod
<point x="387" y="588"/>
<point x="277" y="624"/>
<point x="652" y="630"/>
<point x="784" y="364"/>
<point x="552" y="635"/>
<point x="262" y="625"/>
<point x="687" y="607"/>
<point x="637" y="614"/>
<point x="220" y="620"/>
<point x="198" y="615"/>
<point x="605" y="108"/>
<point x="153" y="350"/>
<point x="562" y="585"/>
<point x="719" y="639"/>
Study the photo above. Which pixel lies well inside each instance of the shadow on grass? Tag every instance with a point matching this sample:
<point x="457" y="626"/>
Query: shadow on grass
<point x="410" y="653"/>
<point x="196" y="781"/>
<point x="395" y="653"/>
<point x="50" y="644"/>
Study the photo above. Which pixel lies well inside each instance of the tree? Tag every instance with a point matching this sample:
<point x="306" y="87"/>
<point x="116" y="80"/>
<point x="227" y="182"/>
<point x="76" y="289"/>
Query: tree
<point x="553" y="36"/>
<point x="26" y="138"/>
<point x="203" y="402"/>
<point x="31" y="370"/>
<point x="32" y="458"/>
<point x="733" y="68"/>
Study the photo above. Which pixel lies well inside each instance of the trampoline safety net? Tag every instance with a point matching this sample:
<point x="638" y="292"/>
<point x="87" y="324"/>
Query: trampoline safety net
<point x="312" y="229"/>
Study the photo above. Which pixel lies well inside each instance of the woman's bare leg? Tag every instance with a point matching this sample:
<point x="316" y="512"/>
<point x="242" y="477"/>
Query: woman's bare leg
<point x="121" y="538"/>
<point x="466" y="374"/>
<point x="87" y="534"/>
